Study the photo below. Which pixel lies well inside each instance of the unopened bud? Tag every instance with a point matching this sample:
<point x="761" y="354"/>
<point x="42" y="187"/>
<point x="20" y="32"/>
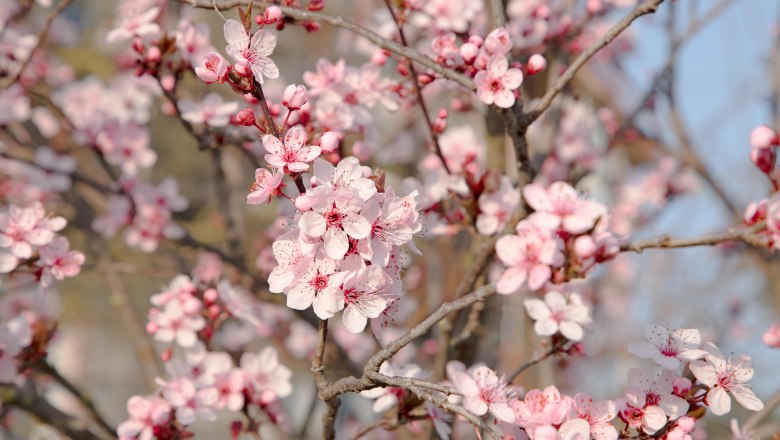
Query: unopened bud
<point x="536" y="64"/>
<point x="295" y="97"/>
<point x="329" y="142"/>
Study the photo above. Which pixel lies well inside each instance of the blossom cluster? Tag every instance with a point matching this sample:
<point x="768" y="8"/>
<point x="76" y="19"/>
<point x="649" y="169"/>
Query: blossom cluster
<point x="343" y="249"/>
<point x="655" y="401"/>
<point x="193" y="315"/>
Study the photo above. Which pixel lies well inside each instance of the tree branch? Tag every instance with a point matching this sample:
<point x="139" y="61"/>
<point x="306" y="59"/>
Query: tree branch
<point x="745" y="235"/>
<point x="343" y="23"/>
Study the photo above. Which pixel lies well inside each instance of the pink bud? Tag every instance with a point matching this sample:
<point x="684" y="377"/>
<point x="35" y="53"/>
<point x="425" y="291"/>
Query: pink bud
<point x="210" y="296"/>
<point x="311" y="26"/>
<point x="379" y="58"/>
<point x="168" y="82"/>
<point x="272" y="14"/>
<point x="476" y="40"/>
<point x="295" y="97"/>
<point x="536" y="64"/>
<point x="762" y="137"/>
<point x="593" y="6"/>
<point x="138" y="45"/>
<point x="316" y="5"/>
<point x="686" y="423"/>
<point x="214" y="311"/>
<point x="681" y="386"/>
<point x="329" y="141"/>
<point x="498" y="41"/>
<point x="166" y="355"/>
<point x="443" y="113"/>
<point x="772" y="336"/>
<point x="153" y="54"/>
<point x="764" y="159"/>
<point x="755" y="212"/>
<point x="245" y="117"/>
<point x="151" y="328"/>
<point x="424" y="79"/>
<point x="584" y="246"/>
<point x="213" y="68"/>
<point x="303" y="202"/>
<point x="469" y="52"/>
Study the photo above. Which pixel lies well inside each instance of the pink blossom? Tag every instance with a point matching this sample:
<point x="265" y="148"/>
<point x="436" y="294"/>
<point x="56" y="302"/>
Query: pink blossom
<point x="497" y="207"/>
<point x="190" y="402"/>
<point x="359" y="297"/>
<point x="294" y="155"/>
<point x="193" y="41"/>
<point x="726" y="375"/>
<point x="58" y="261"/>
<point x="134" y="20"/>
<point x="265" y="373"/>
<point x="174" y="323"/>
<point x="288" y="254"/>
<point x="529" y="255"/>
<point x="212" y="68"/>
<point x="639" y="412"/>
<point x="536" y="64"/>
<point x="682" y="429"/>
<point x="772" y="336"/>
<point x="559" y="206"/>
<point x="498" y="42"/>
<point x="145" y="413"/>
<point x="267" y="185"/>
<point x="541" y="409"/>
<point x="326" y="78"/>
<point x="315" y="279"/>
<point x="335" y="216"/>
<point x="484" y="391"/>
<point x="253" y="53"/>
<point x="658" y="390"/>
<point x="668" y="348"/>
<point x="348" y="174"/>
<point x="598" y="415"/>
<point x="212" y="111"/>
<point x="23" y="229"/>
<point x="393" y="223"/>
<point x="126" y="146"/>
<point x="208" y="268"/>
<point x="496" y="84"/>
<point x="451" y="15"/>
<point x="559" y="314"/>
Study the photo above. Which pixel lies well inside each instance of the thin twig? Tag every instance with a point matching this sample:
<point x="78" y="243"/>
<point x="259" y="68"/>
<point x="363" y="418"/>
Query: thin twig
<point x="418" y="92"/>
<point x="41" y="39"/>
<point x="555" y="349"/>
<point x="745" y="235"/>
<point x="648" y="7"/>
<point x="343" y="23"/>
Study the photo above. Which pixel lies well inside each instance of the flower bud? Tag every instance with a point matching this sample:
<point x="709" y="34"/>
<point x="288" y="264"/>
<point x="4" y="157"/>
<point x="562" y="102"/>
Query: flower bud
<point x="213" y="68"/>
<point x="153" y="54"/>
<point x="536" y="64"/>
<point x="585" y="247"/>
<point x="295" y="97"/>
<point x="210" y="296"/>
<point x="329" y="141"/>
<point x="763" y="158"/>
<point x="168" y="82"/>
<point x="245" y="117"/>
<point x="772" y="336"/>
<point x="379" y="58"/>
<point x="303" y="202"/>
<point x="755" y="212"/>
<point x="243" y="69"/>
<point x="476" y="40"/>
<point x="469" y="52"/>
<point x="316" y="5"/>
<point x="762" y="137"/>
<point x="681" y="386"/>
<point x="272" y="14"/>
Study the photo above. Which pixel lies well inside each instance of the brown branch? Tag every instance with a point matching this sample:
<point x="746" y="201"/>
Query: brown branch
<point x="406" y="382"/>
<point x="343" y="23"/>
<point x="745" y="235"/>
<point x="34" y="404"/>
<point x="41" y="39"/>
<point x="648" y="7"/>
<point x="418" y="92"/>
<point x="257" y="92"/>
<point x="555" y="349"/>
<point x="46" y="368"/>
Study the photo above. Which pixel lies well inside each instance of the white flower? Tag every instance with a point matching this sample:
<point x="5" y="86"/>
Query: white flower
<point x="556" y="314"/>
<point x="725" y="376"/>
<point x="668" y="347"/>
<point x="252" y="53"/>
